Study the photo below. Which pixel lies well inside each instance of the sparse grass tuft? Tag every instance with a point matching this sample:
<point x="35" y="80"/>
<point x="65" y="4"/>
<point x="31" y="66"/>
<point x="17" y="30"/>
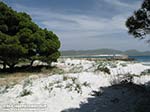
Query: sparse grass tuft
<point x="103" y="69"/>
<point x="27" y="82"/>
<point x="146" y="72"/>
<point x="123" y="64"/>
<point x="25" y="92"/>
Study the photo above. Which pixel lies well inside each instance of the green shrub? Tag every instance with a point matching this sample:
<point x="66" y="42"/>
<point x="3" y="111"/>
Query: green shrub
<point x="145" y="72"/>
<point x="103" y="69"/>
<point x="25" y="92"/>
<point x="123" y="64"/>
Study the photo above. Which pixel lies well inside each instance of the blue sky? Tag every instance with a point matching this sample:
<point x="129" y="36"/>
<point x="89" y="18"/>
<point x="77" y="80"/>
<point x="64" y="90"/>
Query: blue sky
<point x="85" y="24"/>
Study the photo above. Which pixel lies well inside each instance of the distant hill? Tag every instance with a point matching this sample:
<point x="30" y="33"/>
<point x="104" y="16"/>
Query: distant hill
<point x="104" y="51"/>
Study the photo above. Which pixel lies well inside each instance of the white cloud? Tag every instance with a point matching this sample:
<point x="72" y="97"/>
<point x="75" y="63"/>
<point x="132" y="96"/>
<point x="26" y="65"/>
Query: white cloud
<point x="75" y="24"/>
<point x="74" y="29"/>
<point x="119" y="3"/>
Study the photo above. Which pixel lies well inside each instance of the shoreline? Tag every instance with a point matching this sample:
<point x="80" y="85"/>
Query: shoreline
<point x="101" y="59"/>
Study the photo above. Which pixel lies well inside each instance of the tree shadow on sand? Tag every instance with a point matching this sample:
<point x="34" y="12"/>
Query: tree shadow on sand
<point x="26" y="68"/>
<point x="124" y="97"/>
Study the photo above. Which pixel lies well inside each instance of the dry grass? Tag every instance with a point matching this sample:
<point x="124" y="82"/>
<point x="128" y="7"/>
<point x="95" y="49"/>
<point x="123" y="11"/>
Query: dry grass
<point x="12" y="79"/>
<point x="16" y="77"/>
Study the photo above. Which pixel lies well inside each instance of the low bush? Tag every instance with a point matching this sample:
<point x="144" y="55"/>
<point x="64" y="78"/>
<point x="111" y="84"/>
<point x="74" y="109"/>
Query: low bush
<point x="25" y="92"/>
<point x="103" y="69"/>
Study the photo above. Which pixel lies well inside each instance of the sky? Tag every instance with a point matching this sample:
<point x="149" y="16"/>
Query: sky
<point x="85" y="24"/>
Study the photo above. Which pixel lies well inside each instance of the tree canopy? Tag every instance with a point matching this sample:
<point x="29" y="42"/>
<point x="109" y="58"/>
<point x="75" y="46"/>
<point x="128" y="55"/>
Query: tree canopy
<point x="139" y="23"/>
<point x="21" y="38"/>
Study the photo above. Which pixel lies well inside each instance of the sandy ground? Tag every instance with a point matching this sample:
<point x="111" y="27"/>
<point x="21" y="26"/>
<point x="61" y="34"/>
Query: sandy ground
<point x="116" y="98"/>
<point x="81" y="88"/>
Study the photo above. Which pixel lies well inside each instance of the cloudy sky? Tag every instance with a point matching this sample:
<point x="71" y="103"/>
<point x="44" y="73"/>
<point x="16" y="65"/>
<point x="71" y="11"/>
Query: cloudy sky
<point x="85" y="24"/>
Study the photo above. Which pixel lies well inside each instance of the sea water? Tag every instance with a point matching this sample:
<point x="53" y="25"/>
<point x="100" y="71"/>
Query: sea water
<point x="142" y="59"/>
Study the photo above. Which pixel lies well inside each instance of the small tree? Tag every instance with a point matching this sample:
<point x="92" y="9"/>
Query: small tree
<point x="139" y="23"/>
<point x="21" y="38"/>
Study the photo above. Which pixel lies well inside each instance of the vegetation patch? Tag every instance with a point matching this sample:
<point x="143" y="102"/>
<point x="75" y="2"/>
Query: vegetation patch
<point x="103" y="69"/>
<point x="22" y="40"/>
<point x="146" y="72"/>
<point x="25" y="92"/>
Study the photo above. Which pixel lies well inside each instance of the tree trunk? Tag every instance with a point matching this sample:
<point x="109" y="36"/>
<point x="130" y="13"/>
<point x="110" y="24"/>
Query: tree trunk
<point x="31" y="63"/>
<point x="12" y="67"/>
<point x="4" y="66"/>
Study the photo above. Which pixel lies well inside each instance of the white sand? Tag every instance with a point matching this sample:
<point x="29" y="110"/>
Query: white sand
<point x="60" y="92"/>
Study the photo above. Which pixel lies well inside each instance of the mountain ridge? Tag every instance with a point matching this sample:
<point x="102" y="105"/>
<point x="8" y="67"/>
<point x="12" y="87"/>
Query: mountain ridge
<point x="131" y="52"/>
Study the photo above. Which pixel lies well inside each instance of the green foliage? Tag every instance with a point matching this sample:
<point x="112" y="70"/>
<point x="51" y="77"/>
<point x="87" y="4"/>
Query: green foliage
<point x="139" y="23"/>
<point x="25" y="92"/>
<point x="123" y="64"/>
<point x="146" y="72"/>
<point x="103" y="68"/>
<point x="21" y="38"/>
